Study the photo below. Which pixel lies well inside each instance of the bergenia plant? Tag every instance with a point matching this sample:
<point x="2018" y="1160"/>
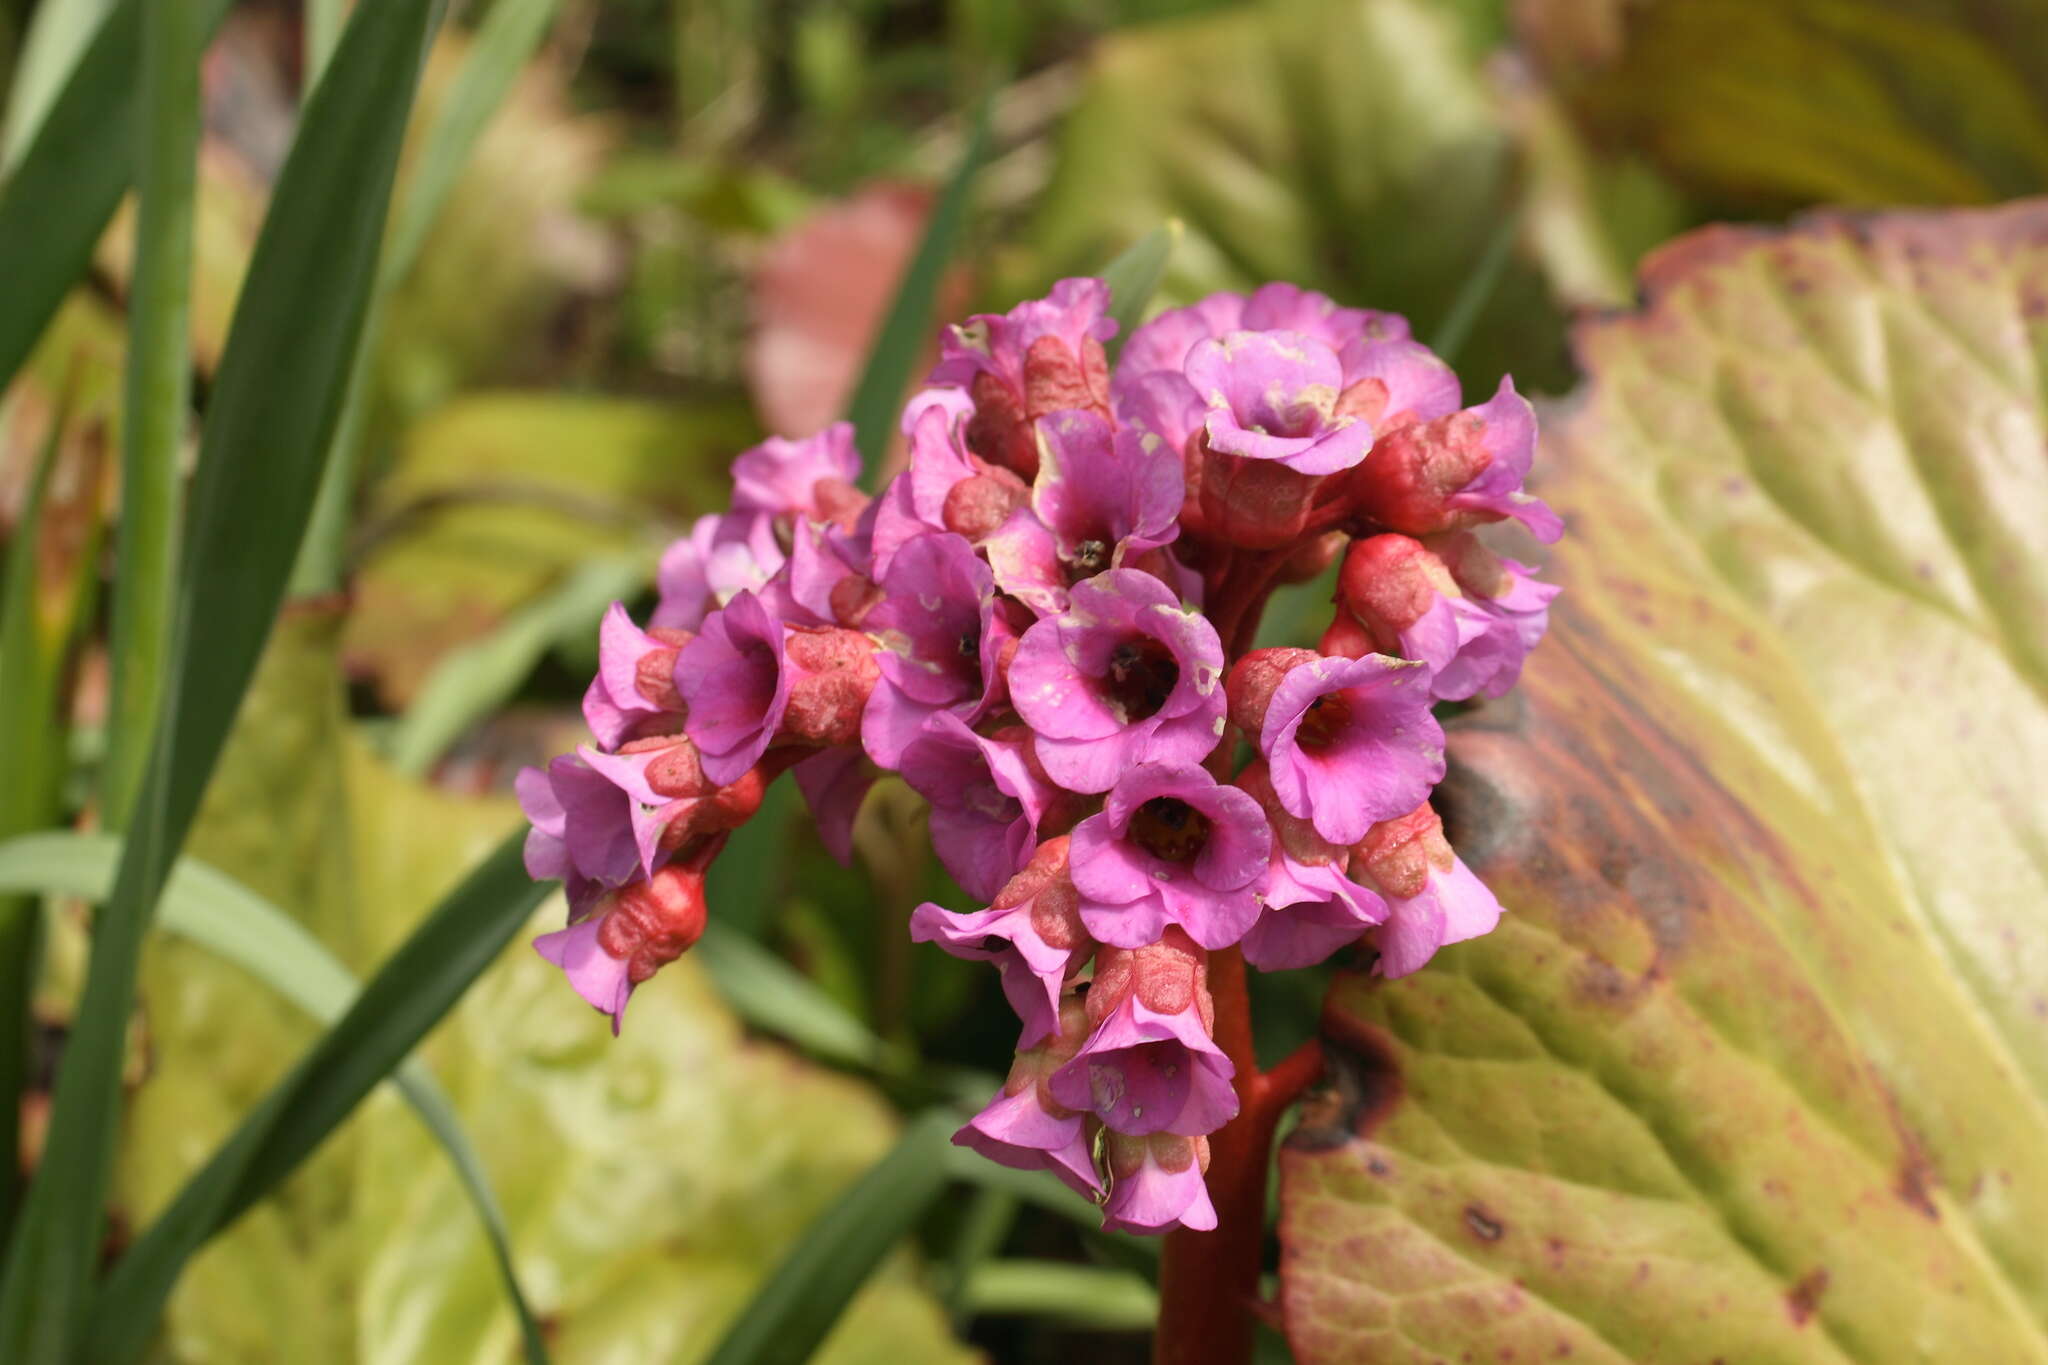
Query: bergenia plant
<point x="1046" y="624"/>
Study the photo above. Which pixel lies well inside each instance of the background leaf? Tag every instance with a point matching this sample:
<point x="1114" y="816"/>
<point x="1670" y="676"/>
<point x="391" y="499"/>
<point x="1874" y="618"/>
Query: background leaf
<point x="1757" y="105"/>
<point x="1755" y="1066"/>
<point x="1345" y="145"/>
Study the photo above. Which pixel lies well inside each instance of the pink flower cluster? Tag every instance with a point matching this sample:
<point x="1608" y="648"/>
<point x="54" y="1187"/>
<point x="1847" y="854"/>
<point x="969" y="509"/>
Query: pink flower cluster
<point x="1045" y="625"/>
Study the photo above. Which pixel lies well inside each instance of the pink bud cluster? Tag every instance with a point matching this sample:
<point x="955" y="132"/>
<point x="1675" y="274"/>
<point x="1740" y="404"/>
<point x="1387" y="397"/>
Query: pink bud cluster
<point x="1045" y="625"/>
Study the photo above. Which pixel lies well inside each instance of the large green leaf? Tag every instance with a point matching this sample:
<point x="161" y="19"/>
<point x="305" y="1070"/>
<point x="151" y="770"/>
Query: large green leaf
<point x="497" y="498"/>
<point x="1772" y="104"/>
<point x="1754" y="1069"/>
<point x="1346" y="145"/>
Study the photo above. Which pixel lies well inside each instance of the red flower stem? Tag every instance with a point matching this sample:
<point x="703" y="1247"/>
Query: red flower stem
<point x="1209" y="1281"/>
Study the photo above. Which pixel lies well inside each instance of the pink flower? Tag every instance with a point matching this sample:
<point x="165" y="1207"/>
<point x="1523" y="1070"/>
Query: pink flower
<point x="1101" y="497"/>
<point x="1171" y="846"/>
<point x="1024" y="1127"/>
<point x="1396" y="597"/>
<point x="1349" y="741"/>
<point x="634" y="690"/>
<point x="942" y="634"/>
<point x="628" y="936"/>
<point x="1456" y="472"/>
<point x="781" y="477"/>
<point x="944" y="489"/>
<point x="1308" y="908"/>
<point x="1126" y="675"/>
<point x="1150" y="1065"/>
<point x="748" y="681"/>
<point x="1432" y="897"/>
<point x="1273" y="396"/>
<point x="1042" y="356"/>
<point x="1164" y="342"/>
<point x="1393" y="382"/>
<point x="1155" y="1183"/>
<point x="834" y="782"/>
<point x="1032" y="932"/>
<point x="722" y="556"/>
<point x="986" y="800"/>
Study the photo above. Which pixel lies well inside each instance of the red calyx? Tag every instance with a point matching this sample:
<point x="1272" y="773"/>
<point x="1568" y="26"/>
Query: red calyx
<point x="1252" y="680"/>
<point x="652" y="923"/>
<point x="1404" y="483"/>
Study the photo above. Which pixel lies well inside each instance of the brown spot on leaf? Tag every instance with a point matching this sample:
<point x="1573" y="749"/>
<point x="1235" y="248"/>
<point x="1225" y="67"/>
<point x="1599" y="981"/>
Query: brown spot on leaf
<point x="1484" y="1225"/>
<point x="1364" y="1086"/>
<point x="1804" y="1297"/>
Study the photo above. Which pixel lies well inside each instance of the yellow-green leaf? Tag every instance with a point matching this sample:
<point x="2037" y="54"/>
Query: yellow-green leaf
<point x="1755" y="1067"/>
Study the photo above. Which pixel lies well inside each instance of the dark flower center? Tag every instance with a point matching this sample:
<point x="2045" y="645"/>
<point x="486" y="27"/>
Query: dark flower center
<point x="1091" y="557"/>
<point x="1327" y="718"/>
<point x="1142" y="675"/>
<point x="1168" y="827"/>
<point x="969" y="644"/>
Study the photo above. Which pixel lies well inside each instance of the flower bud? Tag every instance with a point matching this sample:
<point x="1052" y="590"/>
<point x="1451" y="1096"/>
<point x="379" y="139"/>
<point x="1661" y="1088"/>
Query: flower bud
<point x="976" y="507"/>
<point x="1432" y="898"/>
<point x="1251" y="504"/>
<point x="1388" y="584"/>
<point x="832" y="671"/>
<point x="1252" y="680"/>
<point x="1155" y="1183"/>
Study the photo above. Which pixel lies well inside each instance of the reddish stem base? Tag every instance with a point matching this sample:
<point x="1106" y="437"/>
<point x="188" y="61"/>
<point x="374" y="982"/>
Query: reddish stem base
<point x="1209" y="1281"/>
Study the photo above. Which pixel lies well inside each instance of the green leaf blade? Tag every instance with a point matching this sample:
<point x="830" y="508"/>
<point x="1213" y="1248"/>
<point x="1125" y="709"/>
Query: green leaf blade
<point x="156" y="395"/>
<point x="276" y="396"/>
<point x="902" y="335"/>
<point x="803" y="1298"/>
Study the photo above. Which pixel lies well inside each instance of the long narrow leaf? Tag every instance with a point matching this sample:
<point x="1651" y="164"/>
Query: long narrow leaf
<point x="1134" y="276"/>
<point x="805" y="1295"/>
<point x="273" y="408"/>
<point x="507" y="37"/>
<point x="505" y="40"/>
<point x="774" y="997"/>
<point x="58" y="198"/>
<point x="26" y="731"/>
<point x="59" y="31"/>
<point x="158" y="386"/>
<point x="902" y="337"/>
<point x="1095" y="1298"/>
<point x="416" y="986"/>
<point x="217" y="912"/>
<point x="473" y="680"/>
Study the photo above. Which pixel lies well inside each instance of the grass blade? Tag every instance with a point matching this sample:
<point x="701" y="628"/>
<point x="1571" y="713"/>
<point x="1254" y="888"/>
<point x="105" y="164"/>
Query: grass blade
<point x="158" y="388"/>
<point x="1463" y="314"/>
<point x="1092" y="1298"/>
<point x="410" y="993"/>
<point x="217" y="912"/>
<point x="475" y="679"/>
<point x="59" y="31"/>
<point x="59" y="196"/>
<point x="776" y="998"/>
<point x="1134" y="276"/>
<point x="904" y="332"/>
<point x="504" y="42"/>
<point x="272" y="413"/>
<point x="27" y="731"/>
<point x="804" y="1296"/>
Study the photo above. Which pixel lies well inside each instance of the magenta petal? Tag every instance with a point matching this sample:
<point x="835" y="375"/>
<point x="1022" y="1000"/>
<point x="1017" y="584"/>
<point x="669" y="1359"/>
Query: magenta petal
<point x="1382" y="762"/>
<point x="1155" y="1199"/>
<point x="834" y="783"/>
<point x="1419" y="385"/>
<point x="1452" y="906"/>
<point x="777" y="476"/>
<point x="1069" y="1160"/>
<point x="597" y="976"/>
